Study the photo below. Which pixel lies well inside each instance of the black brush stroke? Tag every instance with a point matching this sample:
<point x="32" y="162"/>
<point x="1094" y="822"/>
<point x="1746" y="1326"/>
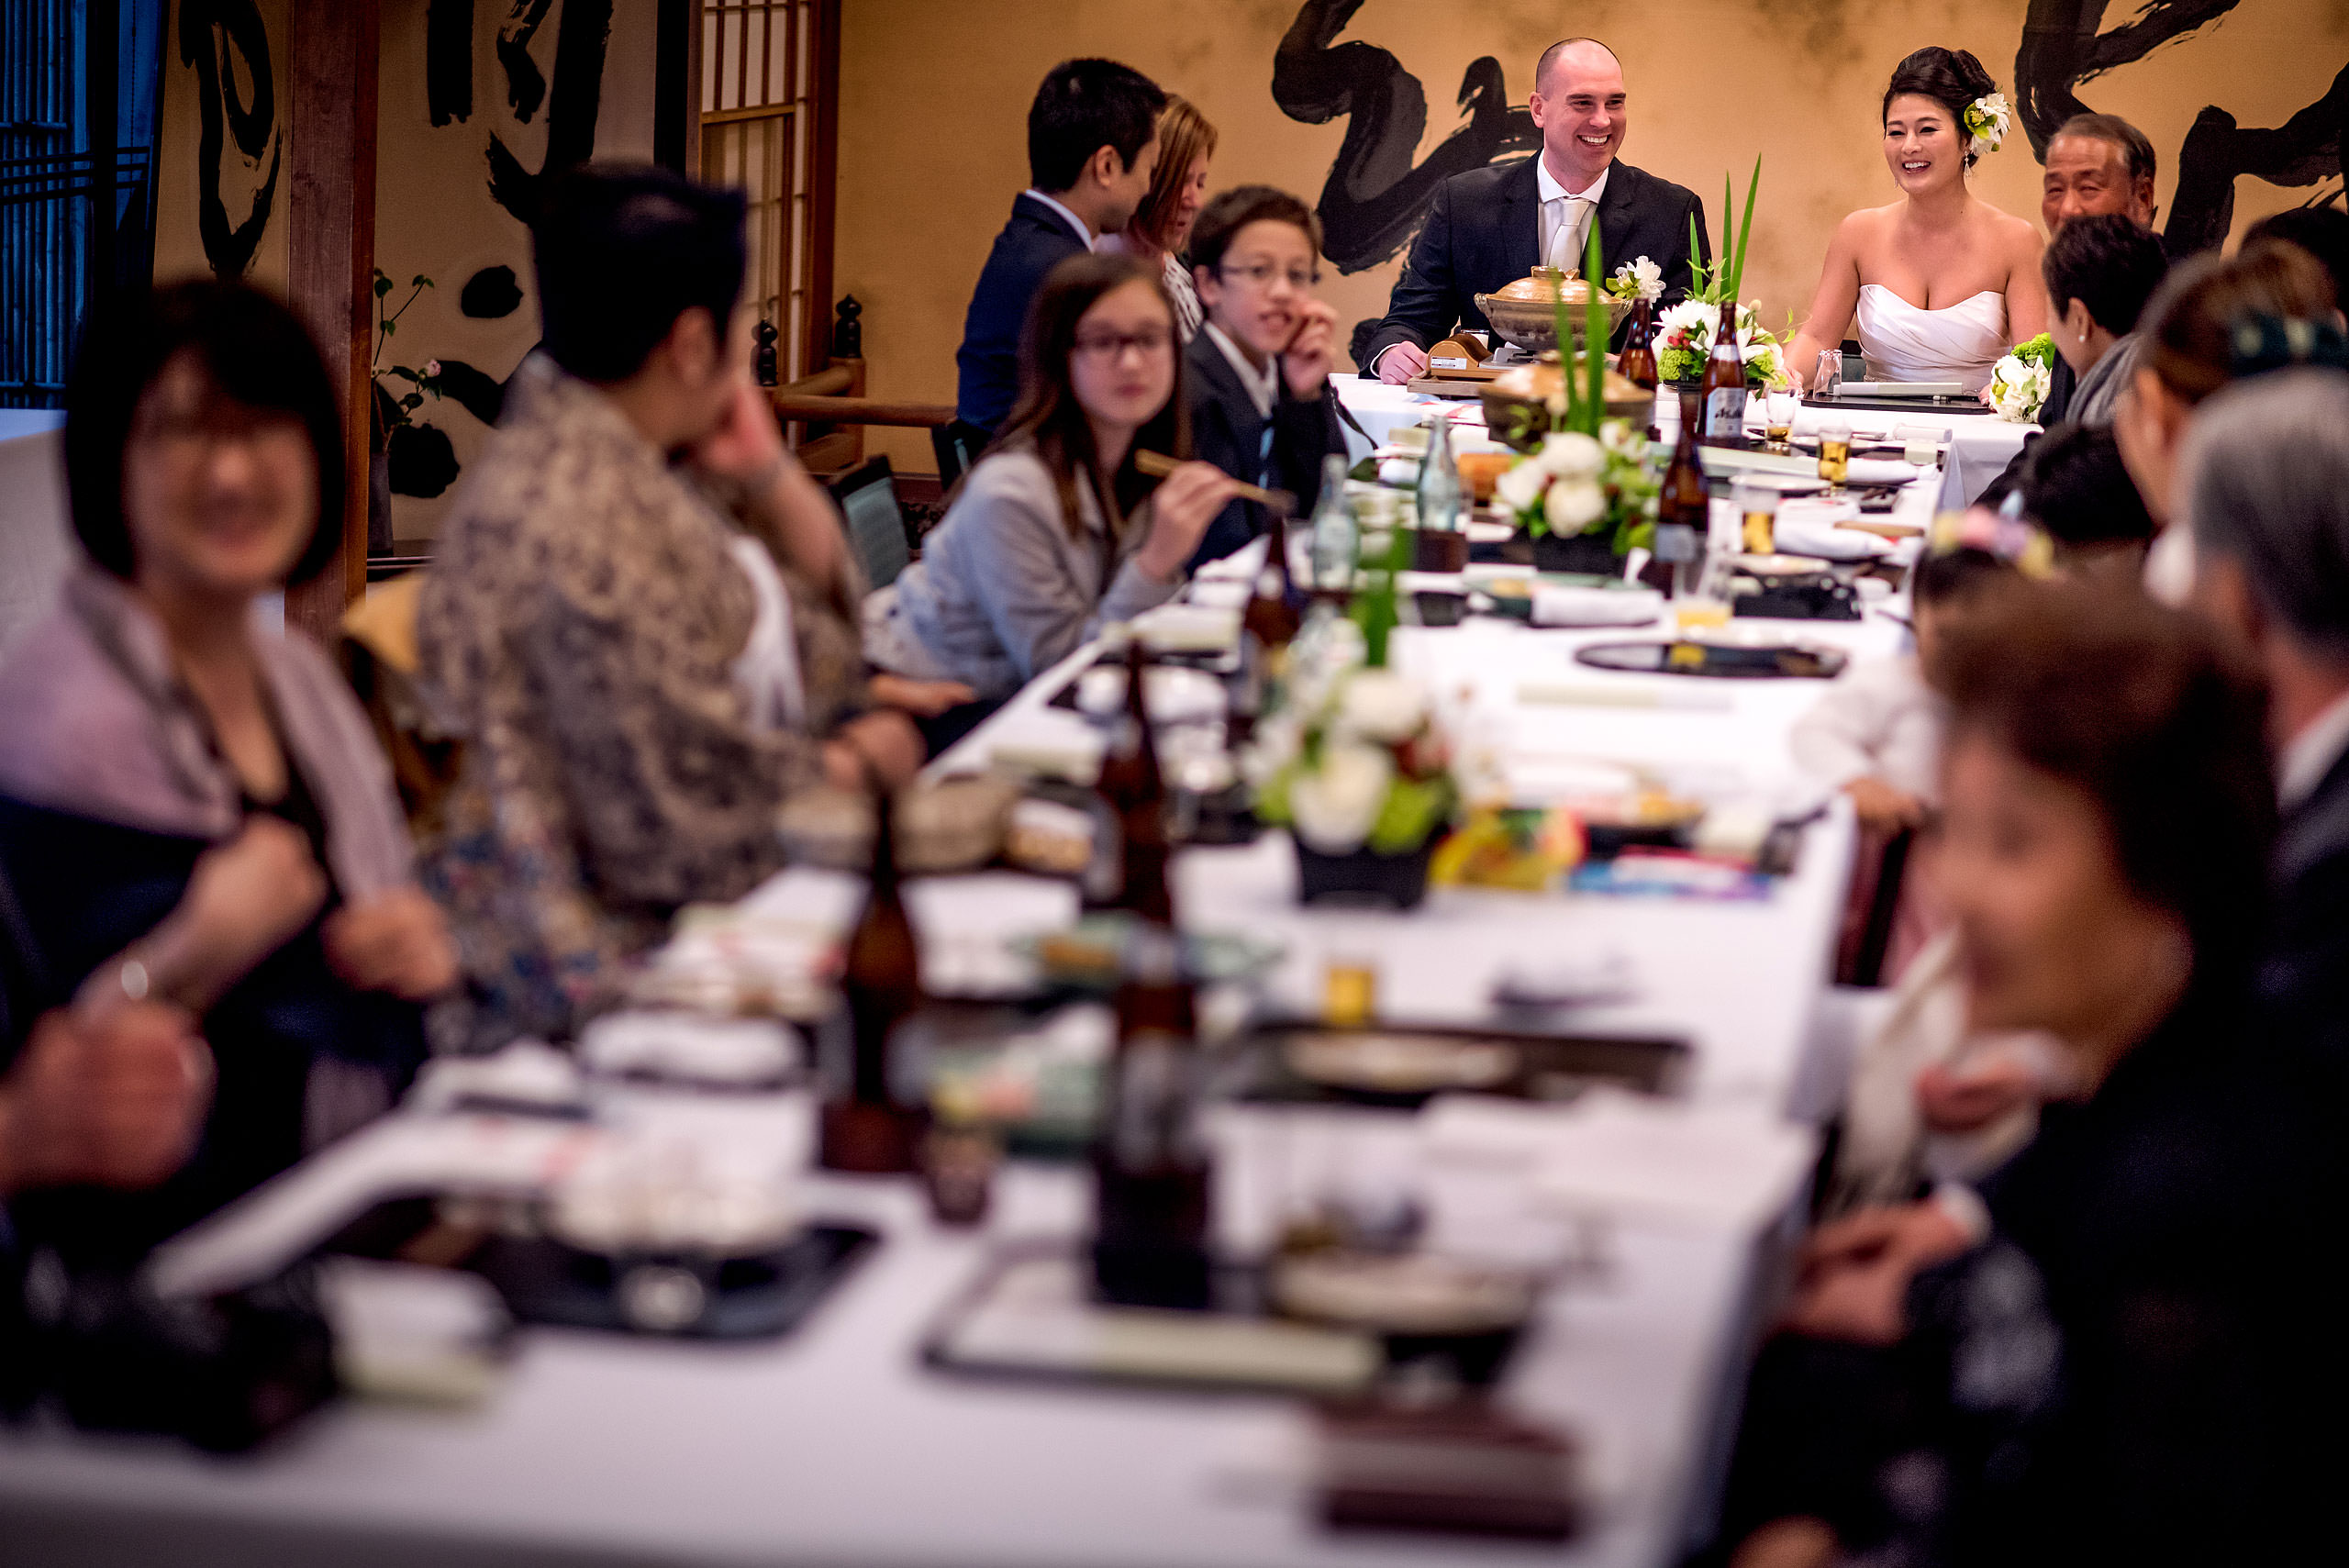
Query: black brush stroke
<point x="526" y="86"/>
<point x="1375" y="197"/>
<point x="577" y="98"/>
<point x="449" y="61"/>
<point x="2304" y="150"/>
<point x="209" y="29"/>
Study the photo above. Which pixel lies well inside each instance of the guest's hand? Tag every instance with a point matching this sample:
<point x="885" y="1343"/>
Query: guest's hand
<point x="396" y="941"/>
<point x="749" y="444"/>
<point x="1796" y="1542"/>
<point x="925" y="699"/>
<point x="882" y="747"/>
<point x="1854" y="1283"/>
<point x="1883" y="808"/>
<point x="1305" y="363"/>
<point x="1403" y="363"/>
<point x="113" y="1098"/>
<point x="1185" y="501"/>
<point x="245" y="899"/>
<point x="1967" y="1099"/>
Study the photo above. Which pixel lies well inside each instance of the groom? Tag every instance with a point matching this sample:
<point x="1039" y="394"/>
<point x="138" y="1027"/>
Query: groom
<point x="1490" y="227"/>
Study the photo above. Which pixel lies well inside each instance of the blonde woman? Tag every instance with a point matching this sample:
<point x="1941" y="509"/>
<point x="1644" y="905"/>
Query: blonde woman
<point x="1160" y="230"/>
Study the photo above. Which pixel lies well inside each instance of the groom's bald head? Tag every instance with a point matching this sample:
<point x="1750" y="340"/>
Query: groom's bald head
<point x="1587" y="52"/>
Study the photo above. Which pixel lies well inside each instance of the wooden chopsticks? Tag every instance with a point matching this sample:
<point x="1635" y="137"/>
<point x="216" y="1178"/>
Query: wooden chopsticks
<point x="1158" y="465"/>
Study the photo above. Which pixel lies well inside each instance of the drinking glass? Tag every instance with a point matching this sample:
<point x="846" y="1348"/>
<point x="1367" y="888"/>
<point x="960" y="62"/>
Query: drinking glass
<point x="1757" y="513"/>
<point x="1834" y="452"/>
<point x="1827" y="380"/>
<point x="1779" y="407"/>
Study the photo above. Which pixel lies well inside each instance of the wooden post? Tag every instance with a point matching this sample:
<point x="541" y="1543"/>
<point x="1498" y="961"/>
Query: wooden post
<point x="330" y="255"/>
<point x="823" y="166"/>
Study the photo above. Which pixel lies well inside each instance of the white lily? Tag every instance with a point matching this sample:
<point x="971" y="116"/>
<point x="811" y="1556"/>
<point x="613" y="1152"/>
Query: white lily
<point x="1521" y="485"/>
<point x="1573" y="505"/>
<point x="1570" y="454"/>
<point x="1334" y="805"/>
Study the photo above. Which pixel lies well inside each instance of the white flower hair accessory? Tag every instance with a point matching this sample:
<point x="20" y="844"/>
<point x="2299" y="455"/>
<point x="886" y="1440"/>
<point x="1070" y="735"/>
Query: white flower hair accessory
<point x="1987" y="120"/>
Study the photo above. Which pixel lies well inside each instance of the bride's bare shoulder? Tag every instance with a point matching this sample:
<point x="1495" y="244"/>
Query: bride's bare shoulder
<point x="2013" y="234"/>
<point x="1862" y="232"/>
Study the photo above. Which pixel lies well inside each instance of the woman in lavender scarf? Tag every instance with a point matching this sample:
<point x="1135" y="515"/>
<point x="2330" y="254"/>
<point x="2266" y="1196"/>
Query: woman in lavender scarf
<point x="192" y="806"/>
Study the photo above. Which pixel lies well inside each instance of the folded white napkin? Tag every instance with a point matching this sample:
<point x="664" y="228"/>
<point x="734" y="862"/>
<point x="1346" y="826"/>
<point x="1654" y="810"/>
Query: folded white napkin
<point x="1811" y="527"/>
<point x="1881" y="470"/>
<point x="1570" y="604"/>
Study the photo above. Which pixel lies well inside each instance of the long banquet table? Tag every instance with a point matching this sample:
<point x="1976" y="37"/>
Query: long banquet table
<point x="1974" y="447"/>
<point x="835" y="1446"/>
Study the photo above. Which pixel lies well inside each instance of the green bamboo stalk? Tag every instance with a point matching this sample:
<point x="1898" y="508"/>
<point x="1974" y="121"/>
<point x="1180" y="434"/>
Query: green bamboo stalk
<point x="1697" y="269"/>
<point x="1745" y="227"/>
<point x="1594" y="335"/>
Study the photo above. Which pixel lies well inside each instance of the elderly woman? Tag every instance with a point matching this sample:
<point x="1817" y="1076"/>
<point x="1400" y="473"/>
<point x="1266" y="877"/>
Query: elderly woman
<point x="2125" y="1347"/>
<point x="174" y="768"/>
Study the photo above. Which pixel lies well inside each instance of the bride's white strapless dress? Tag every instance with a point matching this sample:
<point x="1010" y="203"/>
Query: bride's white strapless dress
<point x="1960" y="342"/>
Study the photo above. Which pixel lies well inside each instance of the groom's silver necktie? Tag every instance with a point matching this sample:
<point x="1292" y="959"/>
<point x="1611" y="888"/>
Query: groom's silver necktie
<point x="1569" y="232"/>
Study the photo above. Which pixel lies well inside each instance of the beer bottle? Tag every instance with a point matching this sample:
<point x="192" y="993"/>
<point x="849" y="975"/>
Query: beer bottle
<point x="865" y="1127"/>
<point x="1723" y="388"/>
<point x="1150" y="1162"/>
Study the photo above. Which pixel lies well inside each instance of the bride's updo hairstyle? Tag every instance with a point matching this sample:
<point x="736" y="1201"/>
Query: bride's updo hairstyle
<point x="1950" y="77"/>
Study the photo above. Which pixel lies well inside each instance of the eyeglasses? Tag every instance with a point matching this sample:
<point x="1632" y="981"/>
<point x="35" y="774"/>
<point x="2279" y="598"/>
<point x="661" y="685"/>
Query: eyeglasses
<point x="184" y="435"/>
<point x="1150" y="342"/>
<point x="1261" y="275"/>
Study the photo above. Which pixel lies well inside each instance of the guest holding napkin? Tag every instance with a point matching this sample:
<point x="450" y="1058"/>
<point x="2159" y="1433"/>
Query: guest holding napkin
<point x="1057" y="531"/>
<point x="1258" y="375"/>
<point x="193" y="810"/>
<point x="1160" y="229"/>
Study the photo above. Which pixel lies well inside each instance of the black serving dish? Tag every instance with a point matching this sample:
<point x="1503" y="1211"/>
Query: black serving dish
<point x="1548" y="1066"/>
<point x="1714" y="660"/>
<point x="1364" y="876"/>
<point x="754" y="1297"/>
<point x="1591" y="555"/>
<point x="1820" y="596"/>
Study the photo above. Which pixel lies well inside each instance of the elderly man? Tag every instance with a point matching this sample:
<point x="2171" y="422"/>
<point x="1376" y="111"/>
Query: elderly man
<point x="1490" y="227"/>
<point x="2096" y="164"/>
<point x="2265" y="486"/>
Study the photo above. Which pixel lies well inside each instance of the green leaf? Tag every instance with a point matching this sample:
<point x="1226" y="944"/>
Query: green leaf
<point x="382" y="286"/>
<point x="1745" y="225"/>
<point x="1594" y="339"/>
<point x="390" y="327"/>
<point x="1412" y="811"/>
<point x="422" y="281"/>
<point x="413" y="400"/>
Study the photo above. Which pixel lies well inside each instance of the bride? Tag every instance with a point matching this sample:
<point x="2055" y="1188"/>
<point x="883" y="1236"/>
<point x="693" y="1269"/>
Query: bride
<point x="1942" y="281"/>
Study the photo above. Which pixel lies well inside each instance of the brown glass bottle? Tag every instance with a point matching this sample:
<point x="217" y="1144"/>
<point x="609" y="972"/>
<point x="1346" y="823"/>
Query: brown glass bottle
<point x="1273" y="613"/>
<point x="1636" y="363"/>
<point x="1135" y="791"/>
<point x="1683" y="506"/>
<point x="1149" y="1162"/>
<point x="865" y="1128"/>
<point x="1722" y="391"/>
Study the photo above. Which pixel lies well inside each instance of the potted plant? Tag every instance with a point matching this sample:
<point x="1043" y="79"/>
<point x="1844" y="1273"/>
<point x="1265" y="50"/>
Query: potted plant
<point x="1354" y="766"/>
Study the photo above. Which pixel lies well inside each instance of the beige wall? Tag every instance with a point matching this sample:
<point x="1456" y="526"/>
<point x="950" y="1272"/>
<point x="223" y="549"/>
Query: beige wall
<point x="934" y="100"/>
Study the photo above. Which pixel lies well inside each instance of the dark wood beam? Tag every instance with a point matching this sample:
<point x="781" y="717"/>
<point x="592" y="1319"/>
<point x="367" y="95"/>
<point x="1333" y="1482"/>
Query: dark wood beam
<point x="330" y="255"/>
<point x="823" y="175"/>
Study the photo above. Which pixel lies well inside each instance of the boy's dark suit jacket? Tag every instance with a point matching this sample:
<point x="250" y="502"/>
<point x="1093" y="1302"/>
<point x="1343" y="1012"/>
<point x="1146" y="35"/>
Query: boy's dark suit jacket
<point x="1227" y="431"/>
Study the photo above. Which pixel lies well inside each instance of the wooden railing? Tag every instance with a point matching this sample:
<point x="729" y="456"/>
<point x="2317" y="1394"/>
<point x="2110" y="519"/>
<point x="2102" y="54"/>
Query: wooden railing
<point x="824" y="413"/>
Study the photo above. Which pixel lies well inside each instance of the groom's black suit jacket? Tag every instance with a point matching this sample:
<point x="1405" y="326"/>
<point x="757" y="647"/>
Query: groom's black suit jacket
<point x="1483" y="231"/>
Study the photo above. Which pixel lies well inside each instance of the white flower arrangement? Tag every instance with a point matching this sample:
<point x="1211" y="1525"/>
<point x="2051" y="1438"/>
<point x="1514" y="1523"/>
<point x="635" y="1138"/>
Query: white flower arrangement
<point x="1576" y="483"/>
<point x="1684" y="342"/>
<point x="1987" y="120"/>
<point x="1642" y="279"/>
<point x="1356" y="763"/>
<point x="2021" y="381"/>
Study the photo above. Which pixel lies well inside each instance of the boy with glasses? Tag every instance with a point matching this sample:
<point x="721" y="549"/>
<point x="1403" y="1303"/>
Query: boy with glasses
<point x="1258" y="373"/>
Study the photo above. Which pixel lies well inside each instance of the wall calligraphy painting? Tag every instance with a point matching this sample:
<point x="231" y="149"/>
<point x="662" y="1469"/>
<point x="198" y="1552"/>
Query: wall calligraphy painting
<point x="2064" y="46"/>
<point x="217" y="37"/>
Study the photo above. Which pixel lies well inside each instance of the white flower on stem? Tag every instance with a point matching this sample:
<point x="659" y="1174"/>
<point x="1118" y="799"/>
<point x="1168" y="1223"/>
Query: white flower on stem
<point x="1987" y="120"/>
<point x="1573" y="505"/>
<point x="2018" y="388"/>
<point x="1520" y="485"/>
<point x="1570" y="454"/>
<point x="432" y="367"/>
<point x="1620" y="439"/>
<point x="1642" y="279"/>
<point x="1689" y="325"/>
<point x="1334" y="805"/>
<point x="1379" y="705"/>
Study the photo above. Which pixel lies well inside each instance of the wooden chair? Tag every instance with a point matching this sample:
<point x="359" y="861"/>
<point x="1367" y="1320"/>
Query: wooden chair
<point x="867" y="497"/>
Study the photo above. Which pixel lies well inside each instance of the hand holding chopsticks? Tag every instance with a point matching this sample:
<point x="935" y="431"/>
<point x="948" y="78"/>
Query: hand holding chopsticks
<point x="1158" y="465"/>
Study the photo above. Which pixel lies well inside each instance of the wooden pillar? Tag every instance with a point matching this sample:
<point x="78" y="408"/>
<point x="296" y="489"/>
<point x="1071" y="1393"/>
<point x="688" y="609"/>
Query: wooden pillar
<point x="330" y="254"/>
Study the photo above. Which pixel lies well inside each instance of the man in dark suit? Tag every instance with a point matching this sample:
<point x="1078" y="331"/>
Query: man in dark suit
<point x="1091" y="143"/>
<point x="2265" y="478"/>
<point x="1490" y="227"/>
<point x="1258" y="373"/>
